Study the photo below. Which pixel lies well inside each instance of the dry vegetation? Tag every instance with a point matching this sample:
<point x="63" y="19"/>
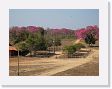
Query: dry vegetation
<point x="33" y="66"/>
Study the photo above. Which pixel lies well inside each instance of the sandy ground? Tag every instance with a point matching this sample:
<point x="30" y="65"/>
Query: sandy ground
<point x="33" y="66"/>
<point x="87" y="69"/>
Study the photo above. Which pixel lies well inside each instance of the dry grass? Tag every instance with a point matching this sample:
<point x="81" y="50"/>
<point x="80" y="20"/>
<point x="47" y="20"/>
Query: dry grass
<point x="33" y="66"/>
<point x="88" y="69"/>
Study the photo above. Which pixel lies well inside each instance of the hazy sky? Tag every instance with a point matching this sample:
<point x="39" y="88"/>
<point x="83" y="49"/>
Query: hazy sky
<point x="54" y="18"/>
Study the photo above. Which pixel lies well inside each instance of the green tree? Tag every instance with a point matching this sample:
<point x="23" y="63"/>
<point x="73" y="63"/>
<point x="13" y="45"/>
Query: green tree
<point x="90" y="39"/>
<point x="36" y="42"/>
<point x="70" y="49"/>
<point x="30" y="43"/>
<point x="57" y="42"/>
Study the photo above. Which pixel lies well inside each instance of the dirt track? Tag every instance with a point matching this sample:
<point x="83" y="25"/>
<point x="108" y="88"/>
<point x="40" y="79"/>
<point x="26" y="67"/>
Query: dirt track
<point x="50" y="66"/>
<point x="87" y="69"/>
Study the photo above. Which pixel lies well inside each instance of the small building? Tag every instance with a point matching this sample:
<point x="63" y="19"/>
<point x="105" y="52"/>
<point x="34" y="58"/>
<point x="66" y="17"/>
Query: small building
<point x="12" y="51"/>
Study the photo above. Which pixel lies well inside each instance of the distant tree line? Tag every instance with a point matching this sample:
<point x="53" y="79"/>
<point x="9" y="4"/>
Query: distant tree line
<point x="30" y="39"/>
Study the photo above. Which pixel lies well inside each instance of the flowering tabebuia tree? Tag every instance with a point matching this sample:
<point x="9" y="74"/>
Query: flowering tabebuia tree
<point x="17" y="34"/>
<point x="37" y="38"/>
<point x="33" y="28"/>
<point x="90" y="34"/>
<point x="60" y="31"/>
<point x="82" y="33"/>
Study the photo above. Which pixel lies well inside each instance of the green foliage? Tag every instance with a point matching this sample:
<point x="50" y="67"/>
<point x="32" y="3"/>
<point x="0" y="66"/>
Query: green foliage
<point x="57" y="42"/>
<point x="90" y="39"/>
<point x="30" y="42"/>
<point x="73" y="48"/>
<point x="23" y="35"/>
<point x="79" y="46"/>
<point x="35" y="42"/>
<point x="23" y="48"/>
<point x="49" y="41"/>
<point x="70" y="49"/>
<point x="16" y="35"/>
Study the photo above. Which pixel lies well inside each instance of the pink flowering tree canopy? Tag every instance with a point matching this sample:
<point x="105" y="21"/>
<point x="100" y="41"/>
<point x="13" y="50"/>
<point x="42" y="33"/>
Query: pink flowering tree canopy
<point x="81" y="33"/>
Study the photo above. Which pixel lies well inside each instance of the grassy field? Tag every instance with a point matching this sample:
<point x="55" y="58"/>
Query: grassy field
<point x="33" y="66"/>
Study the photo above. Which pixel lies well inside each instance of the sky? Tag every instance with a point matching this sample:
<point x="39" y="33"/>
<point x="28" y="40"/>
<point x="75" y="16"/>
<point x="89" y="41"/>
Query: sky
<point x="54" y="18"/>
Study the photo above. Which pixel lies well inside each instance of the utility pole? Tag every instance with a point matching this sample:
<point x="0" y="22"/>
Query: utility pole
<point x="18" y="61"/>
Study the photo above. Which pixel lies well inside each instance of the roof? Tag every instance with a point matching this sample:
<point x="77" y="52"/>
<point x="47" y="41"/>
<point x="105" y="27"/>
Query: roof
<point x="11" y="48"/>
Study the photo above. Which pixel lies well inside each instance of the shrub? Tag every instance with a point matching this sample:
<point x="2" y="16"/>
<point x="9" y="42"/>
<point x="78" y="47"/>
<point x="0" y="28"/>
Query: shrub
<point x="70" y="49"/>
<point x="79" y="46"/>
<point x="73" y="48"/>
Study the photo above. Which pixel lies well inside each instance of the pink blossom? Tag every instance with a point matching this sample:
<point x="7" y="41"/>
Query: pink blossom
<point x="81" y="33"/>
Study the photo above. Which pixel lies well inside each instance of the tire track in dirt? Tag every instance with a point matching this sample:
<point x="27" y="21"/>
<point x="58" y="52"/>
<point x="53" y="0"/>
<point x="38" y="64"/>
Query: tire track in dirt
<point x="70" y="65"/>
